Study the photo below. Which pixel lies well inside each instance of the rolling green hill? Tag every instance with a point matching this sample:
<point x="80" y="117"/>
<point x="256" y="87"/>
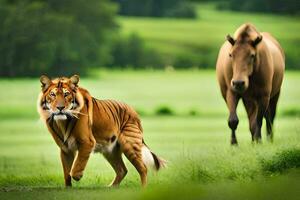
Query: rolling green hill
<point x="196" y="42"/>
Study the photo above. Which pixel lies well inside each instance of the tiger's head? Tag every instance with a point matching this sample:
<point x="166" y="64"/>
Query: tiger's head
<point x="60" y="98"/>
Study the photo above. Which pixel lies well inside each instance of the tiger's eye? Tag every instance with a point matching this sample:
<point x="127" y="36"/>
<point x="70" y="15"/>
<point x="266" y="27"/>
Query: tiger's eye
<point x="52" y="94"/>
<point x="66" y="94"/>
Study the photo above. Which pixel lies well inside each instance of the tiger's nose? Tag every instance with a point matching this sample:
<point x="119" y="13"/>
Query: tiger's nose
<point x="60" y="108"/>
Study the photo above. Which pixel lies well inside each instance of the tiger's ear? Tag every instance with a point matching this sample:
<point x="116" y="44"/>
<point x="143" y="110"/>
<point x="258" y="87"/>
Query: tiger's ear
<point x="45" y="81"/>
<point x="74" y="81"/>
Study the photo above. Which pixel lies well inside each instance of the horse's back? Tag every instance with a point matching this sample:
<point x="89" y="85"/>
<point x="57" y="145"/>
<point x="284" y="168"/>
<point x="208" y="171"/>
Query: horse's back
<point x="278" y="61"/>
<point x="222" y="68"/>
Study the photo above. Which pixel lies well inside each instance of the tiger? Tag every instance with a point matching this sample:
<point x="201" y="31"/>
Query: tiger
<point x="81" y="124"/>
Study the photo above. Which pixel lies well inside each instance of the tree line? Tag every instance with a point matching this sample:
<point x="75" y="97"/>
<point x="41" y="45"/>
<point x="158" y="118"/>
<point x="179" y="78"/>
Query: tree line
<point x="290" y="7"/>
<point x="72" y="36"/>
<point x="157" y="8"/>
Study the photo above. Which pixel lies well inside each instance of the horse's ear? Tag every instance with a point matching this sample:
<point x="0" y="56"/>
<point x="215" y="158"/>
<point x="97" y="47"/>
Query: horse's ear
<point x="45" y="81"/>
<point x="257" y="40"/>
<point x="74" y="81"/>
<point x="230" y="39"/>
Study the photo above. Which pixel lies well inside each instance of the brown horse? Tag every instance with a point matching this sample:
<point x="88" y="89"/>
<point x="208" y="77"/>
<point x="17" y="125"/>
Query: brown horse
<point x="250" y="67"/>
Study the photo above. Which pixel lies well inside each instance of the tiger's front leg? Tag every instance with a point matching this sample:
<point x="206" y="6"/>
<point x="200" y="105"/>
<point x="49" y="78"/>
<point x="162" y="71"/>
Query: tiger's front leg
<point x="85" y="147"/>
<point x="67" y="158"/>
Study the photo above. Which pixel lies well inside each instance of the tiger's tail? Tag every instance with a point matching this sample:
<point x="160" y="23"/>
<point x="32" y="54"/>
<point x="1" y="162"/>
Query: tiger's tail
<point x="151" y="160"/>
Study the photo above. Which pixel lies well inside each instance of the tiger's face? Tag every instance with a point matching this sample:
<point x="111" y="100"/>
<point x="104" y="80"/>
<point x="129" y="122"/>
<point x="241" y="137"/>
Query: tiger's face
<point x="59" y="97"/>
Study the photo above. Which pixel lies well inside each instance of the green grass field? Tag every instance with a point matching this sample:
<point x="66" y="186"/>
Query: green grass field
<point x="201" y="38"/>
<point x="202" y="164"/>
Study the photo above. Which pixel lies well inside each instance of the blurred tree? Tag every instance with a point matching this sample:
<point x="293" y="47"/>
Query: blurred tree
<point x="272" y="6"/>
<point x="56" y="37"/>
<point x="157" y="8"/>
<point x="132" y="52"/>
<point x="184" y="9"/>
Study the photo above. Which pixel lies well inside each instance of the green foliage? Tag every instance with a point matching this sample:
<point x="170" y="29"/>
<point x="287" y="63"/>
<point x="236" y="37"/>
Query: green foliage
<point x="184" y="9"/>
<point x="292" y="112"/>
<point x="186" y="61"/>
<point x="282" y="161"/>
<point x="164" y="110"/>
<point x="195" y="172"/>
<point x="131" y="52"/>
<point x="157" y="8"/>
<point x="272" y="6"/>
<point x="53" y="37"/>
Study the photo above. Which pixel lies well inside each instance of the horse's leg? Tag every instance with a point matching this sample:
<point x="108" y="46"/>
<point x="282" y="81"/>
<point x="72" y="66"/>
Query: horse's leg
<point x="251" y="109"/>
<point x="233" y="121"/>
<point x="263" y="104"/>
<point x="270" y="115"/>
